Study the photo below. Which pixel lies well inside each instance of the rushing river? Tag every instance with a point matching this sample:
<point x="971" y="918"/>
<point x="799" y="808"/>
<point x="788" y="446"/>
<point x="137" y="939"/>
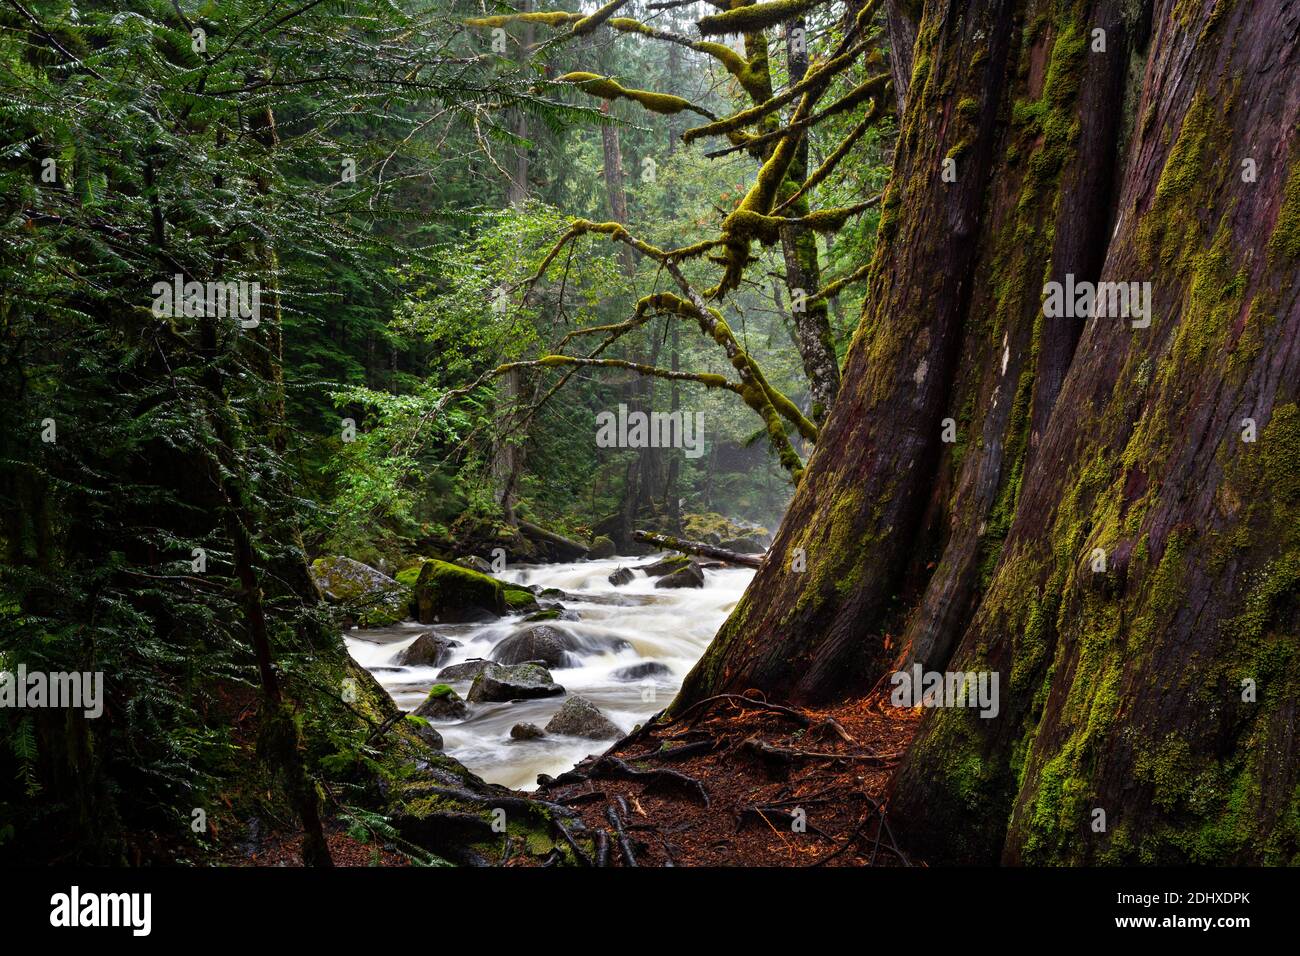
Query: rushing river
<point x="668" y="625"/>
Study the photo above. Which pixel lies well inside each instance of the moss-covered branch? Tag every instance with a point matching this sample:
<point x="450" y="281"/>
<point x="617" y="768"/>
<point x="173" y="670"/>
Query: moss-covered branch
<point x="816" y="79"/>
<point x="707" y="379"/>
<point x="754" y="16"/>
<point x="767" y="229"/>
<point x="831" y="289"/>
<point x="771" y="405"/>
<point x="587" y="24"/>
<point x="837" y="154"/>
<point x="877" y="87"/>
<point x="602" y="86"/>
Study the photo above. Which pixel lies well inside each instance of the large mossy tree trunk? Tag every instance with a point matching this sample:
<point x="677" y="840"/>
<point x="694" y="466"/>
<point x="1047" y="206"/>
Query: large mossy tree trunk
<point x="1114" y="528"/>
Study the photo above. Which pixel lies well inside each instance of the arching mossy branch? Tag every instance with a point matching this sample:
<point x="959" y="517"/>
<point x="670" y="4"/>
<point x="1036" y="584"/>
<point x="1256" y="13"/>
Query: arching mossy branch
<point x="755" y="390"/>
<point x="551" y="18"/>
<point x="837" y="154"/>
<point x="830" y="289"/>
<point x="738" y="228"/>
<point x="816" y="80"/>
<point x="767" y="229"/>
<point x="647" y="307"/>
<point x="754" y="16"/>
<point x="587" y="24"/>
<point x="845" y="53"/>
<point x="753" y="80"/>
<point x="602" y="86"/>
<point x="707" y="379"/>
<point x="877" y="87"/>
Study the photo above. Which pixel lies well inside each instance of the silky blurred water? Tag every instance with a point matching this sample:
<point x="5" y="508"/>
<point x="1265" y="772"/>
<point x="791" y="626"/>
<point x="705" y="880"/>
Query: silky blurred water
<point x="671" y="626"/>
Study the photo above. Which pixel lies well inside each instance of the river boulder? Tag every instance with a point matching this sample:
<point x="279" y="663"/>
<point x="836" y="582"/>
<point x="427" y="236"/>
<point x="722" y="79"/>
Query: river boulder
<point x="635" y="672"/>
<point x="579" y="717"/>
<point x="743" y="545"/>
<point x="371" y="597"/>
<point x="428" y="650"/>
<point x="502" y="682"/>
<point x="526" y="731"/>
<point x="425" y="732"/>
<point x="466" y="670"/>
<point x="601" y="547"/>
<point x="542" y="642"/>
<point x="621" y="576"/>
<point x="442" y="703"/>
<point x="474" y="563"/>
<point x="674" y="562"/>
<point x="690" y="576"/>
<point x="447" y="593"/>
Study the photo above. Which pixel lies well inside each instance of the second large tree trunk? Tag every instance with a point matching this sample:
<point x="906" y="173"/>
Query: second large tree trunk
<point x="1104" y="513"/>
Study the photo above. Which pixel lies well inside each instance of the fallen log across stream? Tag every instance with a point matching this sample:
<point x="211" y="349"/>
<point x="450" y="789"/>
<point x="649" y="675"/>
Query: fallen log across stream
<point x="669" y="543"/>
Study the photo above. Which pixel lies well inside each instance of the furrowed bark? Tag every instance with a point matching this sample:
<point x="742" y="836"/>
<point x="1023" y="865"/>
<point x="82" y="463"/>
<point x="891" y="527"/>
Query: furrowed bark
<point x="1114" y="535"/>
<point x="1123" y="689"/>
<point x="816" y="634"/>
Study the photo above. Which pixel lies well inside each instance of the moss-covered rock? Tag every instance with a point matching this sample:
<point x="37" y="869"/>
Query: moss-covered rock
<point x="371" y="597"/>
<point x="674" y="562"/>
<point x="466" y="670"/>
<point x="602" y="547"/>
<point x="519" y="601"/>
<point x="442" y="703"/>
<point x="425" y="731"/>
<point x="690" y="576"/>
<point x="446" y="593"/>
<point x="712" y="528"/>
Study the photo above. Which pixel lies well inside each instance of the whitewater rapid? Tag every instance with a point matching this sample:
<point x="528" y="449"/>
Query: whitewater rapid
<point x="671" y="626"/>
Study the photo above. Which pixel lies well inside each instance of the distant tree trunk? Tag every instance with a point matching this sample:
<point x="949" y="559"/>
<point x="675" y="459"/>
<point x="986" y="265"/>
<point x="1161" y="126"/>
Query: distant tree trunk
<point x="802" y="267"/>
<point x="900" y="18"/>
<point x="507" y="454"/>
<point x="672" y="498"/>
<point x="1103" y="514"/>
<point x="517" y="187"/>
<point x="614" y="189"/>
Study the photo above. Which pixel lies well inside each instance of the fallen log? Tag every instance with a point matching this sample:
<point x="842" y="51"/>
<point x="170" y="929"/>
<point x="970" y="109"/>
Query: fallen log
<point x="669" y="543"/>
<point x="565" y="548"/>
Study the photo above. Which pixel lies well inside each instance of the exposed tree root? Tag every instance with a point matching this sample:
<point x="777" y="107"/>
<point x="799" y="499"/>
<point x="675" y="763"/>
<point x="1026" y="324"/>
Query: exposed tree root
<point x="825" y="807"/>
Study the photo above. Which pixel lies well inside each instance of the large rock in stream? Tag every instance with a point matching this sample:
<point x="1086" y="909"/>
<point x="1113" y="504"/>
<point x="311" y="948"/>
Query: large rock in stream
<point x="601" y="547"/>
<point x="371" y="596"/>
<point x="447" y="593"/>
<point x="500" y="682"/>
<point x="634" y="672"/>
<point x="466" y="670"/>
<point x="690" y="576"/>
<point x="428" y="650"/>
<point x="665" y="565"/>
<point x="579" y="717"/>
<point x="552" y="646"/>
<point x="442" y="703"/>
